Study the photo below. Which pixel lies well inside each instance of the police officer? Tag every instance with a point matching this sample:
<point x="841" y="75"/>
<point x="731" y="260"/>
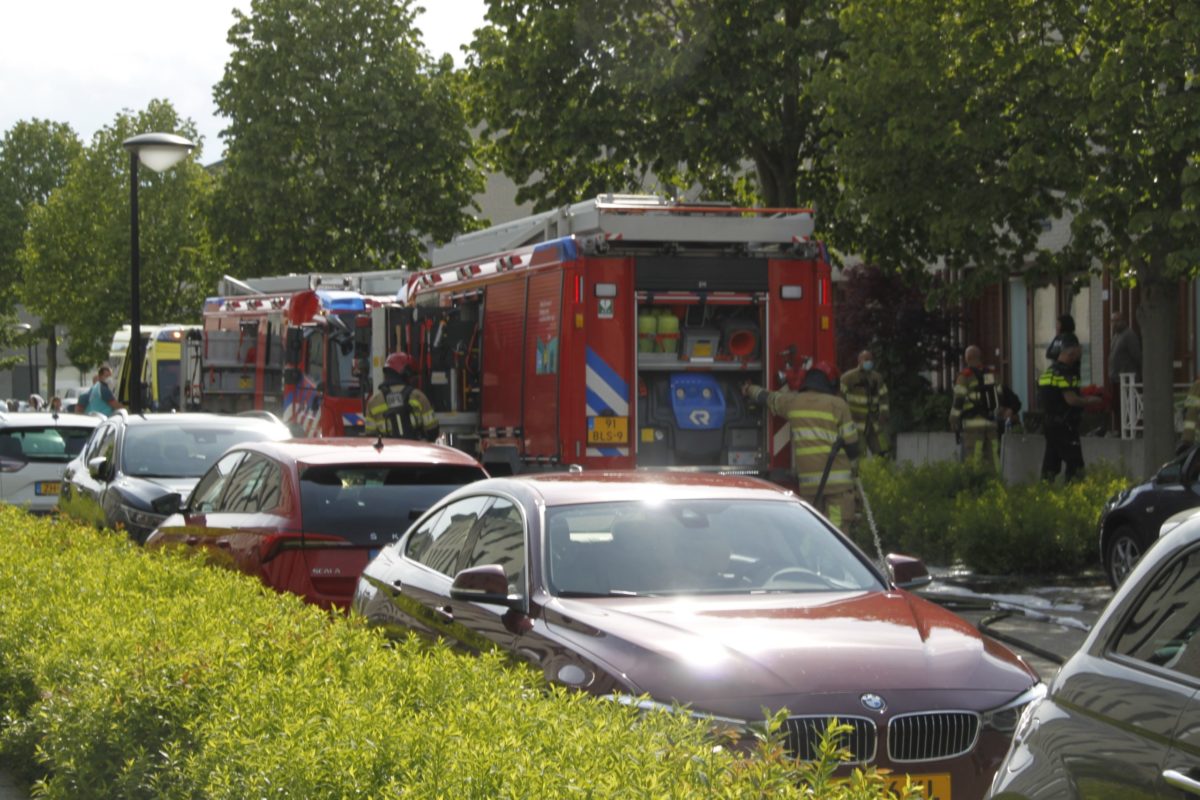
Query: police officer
<point x="817" y="417"/>
<point x="1062" y="404"/>
<point x="397" y="409"/>
<point x="976" y="409"/>
<point x="867" y="395"/>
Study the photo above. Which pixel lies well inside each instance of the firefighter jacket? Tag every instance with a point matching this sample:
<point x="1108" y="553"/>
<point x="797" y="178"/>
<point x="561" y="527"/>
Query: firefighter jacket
<point x="816" y="420"/>
<point x="1191" y="413"/>
<point x="977" y="395"/>
<point x="866" y="394"/>
<point x="400" y="411"/>
<point x="1053" y="385"/>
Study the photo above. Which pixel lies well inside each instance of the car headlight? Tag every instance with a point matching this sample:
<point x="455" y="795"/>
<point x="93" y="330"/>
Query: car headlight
<point x="644" y="703"/>
<point x="136" y="517"/>
<point x="1005" y="718"/>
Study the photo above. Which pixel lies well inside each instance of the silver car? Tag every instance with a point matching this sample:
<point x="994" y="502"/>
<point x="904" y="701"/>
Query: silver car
<point x="34" y="450"/>
<point x="1122" y="717"/>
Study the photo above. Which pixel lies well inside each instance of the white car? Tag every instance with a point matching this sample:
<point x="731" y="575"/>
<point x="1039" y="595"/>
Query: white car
<point x="34" y="450"/>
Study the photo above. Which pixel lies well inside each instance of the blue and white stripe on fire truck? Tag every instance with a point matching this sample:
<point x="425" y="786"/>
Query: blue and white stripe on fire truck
<point x="607" y="393"/>
<point x="298" y="406"/>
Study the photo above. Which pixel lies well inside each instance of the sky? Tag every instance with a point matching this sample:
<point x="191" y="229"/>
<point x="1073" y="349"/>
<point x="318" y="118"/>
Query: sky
<point x="84" y="61"/>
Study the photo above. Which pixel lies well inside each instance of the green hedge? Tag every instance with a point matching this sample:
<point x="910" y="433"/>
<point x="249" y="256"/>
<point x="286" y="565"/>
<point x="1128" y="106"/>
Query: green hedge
<point x="947" y="512"/>
<point x="131" y="674"/>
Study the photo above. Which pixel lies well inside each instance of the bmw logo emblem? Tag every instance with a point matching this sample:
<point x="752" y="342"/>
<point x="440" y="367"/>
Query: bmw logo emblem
<point x="873" y="702"/>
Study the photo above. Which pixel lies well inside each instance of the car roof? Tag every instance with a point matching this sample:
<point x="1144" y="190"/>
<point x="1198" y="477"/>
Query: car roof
<point x="359" y="450"/>
<point x="572" y="488"/>
<point x="43" y="419"/>
<point x="196" y="418"/>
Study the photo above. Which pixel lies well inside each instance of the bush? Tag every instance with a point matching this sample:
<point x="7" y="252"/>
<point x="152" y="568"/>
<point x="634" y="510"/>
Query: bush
<point x="131" y="674"/>
<point x="914" y="507"/>
<point x="947" y="512"/>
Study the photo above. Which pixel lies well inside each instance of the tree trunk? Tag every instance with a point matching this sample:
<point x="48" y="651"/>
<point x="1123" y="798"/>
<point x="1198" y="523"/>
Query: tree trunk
<point x="51" y="362"/>
<point x="1156" y="315"/>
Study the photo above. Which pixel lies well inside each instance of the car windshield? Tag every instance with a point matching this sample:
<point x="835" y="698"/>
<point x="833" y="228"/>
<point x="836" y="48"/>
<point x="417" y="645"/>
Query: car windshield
<point x="168" y="384"/>
<point x="697" y="547"/>
<point x="51" y="445"/>
<point x="184" y="451"/>
<point x="375" y="503"/>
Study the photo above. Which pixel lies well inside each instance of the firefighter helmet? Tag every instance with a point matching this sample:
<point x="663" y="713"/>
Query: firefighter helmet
<point x="399" y="363"/>
<point x="829" y="370"/>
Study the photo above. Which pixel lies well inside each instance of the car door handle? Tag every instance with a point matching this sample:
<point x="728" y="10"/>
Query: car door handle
<point x="446" y="613"/>
<point x="1180" y="780"/>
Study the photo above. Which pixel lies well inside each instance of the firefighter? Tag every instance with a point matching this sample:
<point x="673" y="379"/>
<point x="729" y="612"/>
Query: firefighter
<point x="867" y="395"/>
<point x="976" y="409"/>
<point x="397" y="409"/>
<point x="822" y="431"/>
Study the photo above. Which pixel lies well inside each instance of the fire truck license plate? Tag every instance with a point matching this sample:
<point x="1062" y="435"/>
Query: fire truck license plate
<point x="608" y="430"/>
<point x="933" y="787"/>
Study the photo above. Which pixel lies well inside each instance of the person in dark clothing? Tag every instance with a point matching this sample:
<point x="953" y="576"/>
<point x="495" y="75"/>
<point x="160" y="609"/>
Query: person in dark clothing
<point x="1062" y="404"/>
<point x="1064" y="325"/>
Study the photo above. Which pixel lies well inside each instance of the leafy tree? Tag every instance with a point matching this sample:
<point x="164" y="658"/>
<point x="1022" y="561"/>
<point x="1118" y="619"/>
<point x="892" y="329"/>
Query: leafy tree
<point x="578" y="97"/>
<point x="885" y="312"/>
<point x="346" y="145"/>
<point x="960" y="126"/>
<point x="34" y="158"/>
<point x="75" y="260"/>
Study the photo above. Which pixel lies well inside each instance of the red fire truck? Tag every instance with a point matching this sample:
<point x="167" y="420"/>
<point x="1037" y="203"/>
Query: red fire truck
<point x="291" y="346"/>
<point x="617" y="333"/>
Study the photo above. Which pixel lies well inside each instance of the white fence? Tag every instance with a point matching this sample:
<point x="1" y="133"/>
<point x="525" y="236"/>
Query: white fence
<point x="1131" y="405"/>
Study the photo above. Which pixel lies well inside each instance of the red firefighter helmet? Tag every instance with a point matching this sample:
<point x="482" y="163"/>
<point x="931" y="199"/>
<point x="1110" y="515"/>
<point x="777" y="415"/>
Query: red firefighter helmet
<point x="829" y="370"/>
<point x="399" y="363"/>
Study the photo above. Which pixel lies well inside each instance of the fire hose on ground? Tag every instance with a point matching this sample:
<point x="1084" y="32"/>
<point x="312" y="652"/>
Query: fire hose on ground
<point x="1005" y="608"/>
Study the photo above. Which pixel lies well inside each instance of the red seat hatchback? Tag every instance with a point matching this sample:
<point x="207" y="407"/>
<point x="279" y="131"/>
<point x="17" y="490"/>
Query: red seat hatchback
<point x="307" y="515"/>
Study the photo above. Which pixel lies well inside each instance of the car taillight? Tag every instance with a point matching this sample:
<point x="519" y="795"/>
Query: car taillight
<point x="275" y="543"/>
<point x="11" y="465"/>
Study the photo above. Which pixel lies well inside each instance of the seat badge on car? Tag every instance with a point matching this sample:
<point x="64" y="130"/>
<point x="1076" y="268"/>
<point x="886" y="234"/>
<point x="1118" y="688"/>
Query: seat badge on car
<point x="873" y="702"/>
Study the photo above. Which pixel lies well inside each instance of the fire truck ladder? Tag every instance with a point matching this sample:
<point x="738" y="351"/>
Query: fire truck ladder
<point x="637" y="219"/>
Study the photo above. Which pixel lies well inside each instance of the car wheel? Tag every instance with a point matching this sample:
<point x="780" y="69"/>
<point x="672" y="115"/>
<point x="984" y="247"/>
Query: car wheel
<point x="1123" y="551"/>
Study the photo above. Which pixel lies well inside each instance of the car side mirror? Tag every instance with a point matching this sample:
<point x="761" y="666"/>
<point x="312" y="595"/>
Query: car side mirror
<point x="98" y="467"/>
<point x="908" y="572"/>
<point x="168" y="504"/>
<point x="486" y="584"/>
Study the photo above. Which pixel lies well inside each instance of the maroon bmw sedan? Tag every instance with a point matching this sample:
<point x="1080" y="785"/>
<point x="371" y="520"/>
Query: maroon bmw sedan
<point x="307" y="515"/>
<point x="724" y="594"/>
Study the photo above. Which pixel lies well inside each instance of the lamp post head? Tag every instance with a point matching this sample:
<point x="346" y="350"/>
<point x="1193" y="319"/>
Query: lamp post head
<point x="158" y="151"/>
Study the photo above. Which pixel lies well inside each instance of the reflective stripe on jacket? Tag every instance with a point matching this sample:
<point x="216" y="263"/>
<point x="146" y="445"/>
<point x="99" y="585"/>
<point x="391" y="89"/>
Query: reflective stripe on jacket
<point x="388" y="414"/>
<point x="816" y="421"/>
<point x="976" y="399"/>
<point x="865" y="393"/>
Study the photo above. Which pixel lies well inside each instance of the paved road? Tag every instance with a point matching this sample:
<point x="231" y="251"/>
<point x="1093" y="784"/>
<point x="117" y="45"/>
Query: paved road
<point x="1046" y="624"/>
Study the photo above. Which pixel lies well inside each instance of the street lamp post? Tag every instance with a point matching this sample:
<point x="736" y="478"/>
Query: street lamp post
<point x="27" y="330"/>
<point x="158" y="151"/>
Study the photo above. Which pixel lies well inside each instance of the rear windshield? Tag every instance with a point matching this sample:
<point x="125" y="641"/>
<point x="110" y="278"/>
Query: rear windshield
<point x="371" y="503"/>
<point x="187" y="451"/>
<point x="54" y="445"/>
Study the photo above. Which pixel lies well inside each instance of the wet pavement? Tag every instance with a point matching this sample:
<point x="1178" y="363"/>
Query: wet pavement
<point x="1045" y="622"/>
